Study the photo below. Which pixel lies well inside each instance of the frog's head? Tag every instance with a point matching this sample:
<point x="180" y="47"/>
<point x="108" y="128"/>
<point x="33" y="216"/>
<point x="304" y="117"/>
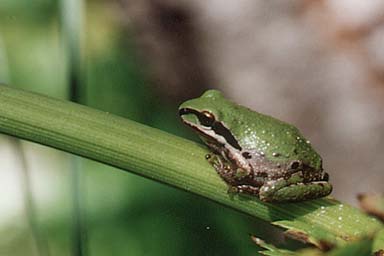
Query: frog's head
<point x="202" y="111"/>
<point x="203" y="114"/>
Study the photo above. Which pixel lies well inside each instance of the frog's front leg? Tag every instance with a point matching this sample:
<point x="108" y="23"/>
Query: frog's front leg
<point x="231" y="175"/>
<point x="283" y="190"/>
<point x="221" y="167"/>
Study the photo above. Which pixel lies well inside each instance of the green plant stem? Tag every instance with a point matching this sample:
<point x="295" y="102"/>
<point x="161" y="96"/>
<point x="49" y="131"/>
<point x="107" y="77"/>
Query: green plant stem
<point x="166" y="158"/>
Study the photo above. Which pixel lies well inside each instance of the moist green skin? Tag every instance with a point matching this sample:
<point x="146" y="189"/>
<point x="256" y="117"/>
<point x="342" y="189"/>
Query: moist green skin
<point x="258" y="157"/>
<point x="256" y="131"/>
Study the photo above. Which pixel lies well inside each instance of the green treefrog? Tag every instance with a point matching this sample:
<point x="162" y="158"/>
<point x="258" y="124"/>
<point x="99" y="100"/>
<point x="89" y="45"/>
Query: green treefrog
<point x="255" y="153"/>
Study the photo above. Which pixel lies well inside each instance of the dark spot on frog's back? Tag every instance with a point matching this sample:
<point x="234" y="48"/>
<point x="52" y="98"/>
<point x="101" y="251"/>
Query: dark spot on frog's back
<point x="246" y="155"/>
<point x="220" y="129"/>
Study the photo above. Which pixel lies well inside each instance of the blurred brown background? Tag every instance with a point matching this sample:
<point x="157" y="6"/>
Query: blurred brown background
<point x="316" y="64"/>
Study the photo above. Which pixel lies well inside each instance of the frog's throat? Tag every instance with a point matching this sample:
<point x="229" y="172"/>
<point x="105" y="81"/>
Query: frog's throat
<point x="211" y="136"/>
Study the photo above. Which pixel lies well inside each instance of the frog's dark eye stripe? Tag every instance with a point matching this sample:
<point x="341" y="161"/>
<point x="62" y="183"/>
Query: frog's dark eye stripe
<point x="220" y="129"/>
<point x="184" y="111"/>
<point x="205" y="118"/>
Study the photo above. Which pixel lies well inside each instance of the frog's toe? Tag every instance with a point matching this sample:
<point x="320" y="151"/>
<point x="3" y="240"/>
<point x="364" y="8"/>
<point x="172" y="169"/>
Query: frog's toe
<point x="232" y="190"/>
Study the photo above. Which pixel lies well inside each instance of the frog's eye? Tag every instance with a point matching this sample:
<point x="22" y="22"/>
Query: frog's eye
<point x="295" y="164"/>
<point x="206" y="118"/>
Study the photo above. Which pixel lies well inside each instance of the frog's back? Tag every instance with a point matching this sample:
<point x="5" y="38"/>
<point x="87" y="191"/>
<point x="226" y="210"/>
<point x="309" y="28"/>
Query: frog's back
<point x="277" y="140"/>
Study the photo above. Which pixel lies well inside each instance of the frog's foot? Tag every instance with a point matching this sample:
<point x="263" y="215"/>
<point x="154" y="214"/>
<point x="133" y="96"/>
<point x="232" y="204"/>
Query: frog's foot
<point x="295" y="192"/>
<point x="222" y="168"/>
<point x="245" y="189"/>
<point x="217" y="162"/>
<point x="248" y="189"/>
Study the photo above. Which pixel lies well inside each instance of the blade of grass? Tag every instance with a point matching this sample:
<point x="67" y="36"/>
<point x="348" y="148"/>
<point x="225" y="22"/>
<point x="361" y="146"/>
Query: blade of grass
<point x="72" y="30"/>
<point x="169" y="159"/>
<point x="39" y="238"/>
<point x="29" y="201"/>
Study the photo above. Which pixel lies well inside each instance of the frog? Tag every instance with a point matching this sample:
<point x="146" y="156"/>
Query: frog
<point x="254" y="153"/>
